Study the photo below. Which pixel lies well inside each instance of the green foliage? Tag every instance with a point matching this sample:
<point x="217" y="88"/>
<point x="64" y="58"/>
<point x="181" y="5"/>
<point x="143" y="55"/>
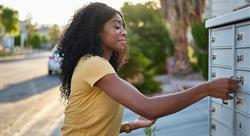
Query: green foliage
<point x="31" y="31"/>
<point x="149" y="45"/>
<point x="36" y="40"/>
<point x="147" y="30"/>
<point x="17" y="40"/>
<point x="149" y="86"/>
<point x="151" y="131"/>
<point x="200" y="35"/>
<point x="137" y="63"/>
<point x="54" y="34"/>
<point x="9" y="22"/>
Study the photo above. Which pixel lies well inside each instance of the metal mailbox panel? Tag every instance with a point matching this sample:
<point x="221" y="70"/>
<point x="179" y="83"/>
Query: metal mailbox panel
<point x="217" y="72"/>
<point x="222" y="114"/>
<point x="222" y="37"/>
<point x="229" y="55"/>
<point x="243" y="36"/>
<point x="244" y="79"/>
<point x="222" y="57"/>
<point x="218" y="129"/>
<point x="242" y="58"/>
<point x="242" y="102"/>
<point x="239" y="134"/>
<point x="228" y="104"/>
<point x="243" y="123"/>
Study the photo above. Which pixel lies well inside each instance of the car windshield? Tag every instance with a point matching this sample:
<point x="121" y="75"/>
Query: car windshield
<point x="54" y="50"/>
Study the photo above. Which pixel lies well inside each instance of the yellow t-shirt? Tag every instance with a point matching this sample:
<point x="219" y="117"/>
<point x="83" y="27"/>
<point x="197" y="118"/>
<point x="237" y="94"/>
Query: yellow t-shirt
<point x="90" y="111"/>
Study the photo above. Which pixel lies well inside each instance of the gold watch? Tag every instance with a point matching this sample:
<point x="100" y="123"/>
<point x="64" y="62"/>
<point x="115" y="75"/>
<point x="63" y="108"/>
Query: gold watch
<point x="127" y="128"/>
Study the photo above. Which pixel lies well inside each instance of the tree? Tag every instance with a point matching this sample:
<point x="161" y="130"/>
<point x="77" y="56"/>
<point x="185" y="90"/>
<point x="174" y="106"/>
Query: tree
<point x="37" y="40"/>
<point x="148" y="32"/>
<point x="149" y="45"/>
<point x="9" y="22"/>
<point x="200" y="35"/>
<point x="54" y="34"/>
<point x="30" y="28"/>
<point x="179" y="14"/>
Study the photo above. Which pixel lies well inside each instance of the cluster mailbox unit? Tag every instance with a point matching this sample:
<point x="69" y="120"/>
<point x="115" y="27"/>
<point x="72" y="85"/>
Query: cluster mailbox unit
<point x="229" y="55"/>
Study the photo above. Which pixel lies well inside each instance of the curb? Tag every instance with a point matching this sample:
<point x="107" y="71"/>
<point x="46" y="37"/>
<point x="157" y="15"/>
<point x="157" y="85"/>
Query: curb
<point x="39" y="54"/>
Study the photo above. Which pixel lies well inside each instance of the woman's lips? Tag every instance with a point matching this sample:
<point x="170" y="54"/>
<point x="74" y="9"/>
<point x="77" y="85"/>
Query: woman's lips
<point x="123" y="40"/>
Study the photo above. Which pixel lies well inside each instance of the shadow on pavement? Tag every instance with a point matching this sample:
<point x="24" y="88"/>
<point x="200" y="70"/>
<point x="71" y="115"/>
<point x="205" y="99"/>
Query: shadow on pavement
<point x="28" y="88"/>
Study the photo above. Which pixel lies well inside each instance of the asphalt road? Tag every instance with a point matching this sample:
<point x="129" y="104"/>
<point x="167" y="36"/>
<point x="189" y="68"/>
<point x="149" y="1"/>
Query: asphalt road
<point x="29" y="98"/>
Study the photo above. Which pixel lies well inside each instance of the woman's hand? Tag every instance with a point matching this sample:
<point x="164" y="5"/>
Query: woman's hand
<point x="142" y="122"/>
<point x="222" y="87"/>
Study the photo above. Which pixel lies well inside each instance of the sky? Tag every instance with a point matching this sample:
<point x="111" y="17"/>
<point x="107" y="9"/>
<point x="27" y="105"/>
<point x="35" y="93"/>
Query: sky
<point x="48" y="12"/>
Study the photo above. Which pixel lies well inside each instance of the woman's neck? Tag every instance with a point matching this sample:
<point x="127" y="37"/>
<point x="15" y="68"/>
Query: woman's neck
<point x="107" y="55"/>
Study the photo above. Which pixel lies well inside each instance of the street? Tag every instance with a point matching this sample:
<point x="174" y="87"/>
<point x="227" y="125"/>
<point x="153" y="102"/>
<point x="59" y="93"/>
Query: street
<point x="29" y="97"/>
<point x="30" y="104"/>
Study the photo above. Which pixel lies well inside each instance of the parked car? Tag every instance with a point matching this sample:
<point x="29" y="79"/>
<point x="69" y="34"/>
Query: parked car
<point x="54" y="62"/>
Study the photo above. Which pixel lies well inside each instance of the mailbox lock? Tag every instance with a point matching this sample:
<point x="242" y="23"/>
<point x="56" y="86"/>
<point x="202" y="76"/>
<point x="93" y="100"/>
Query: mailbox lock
<point x="240" y="80"/>
<point x="213" y="74"/>
<point x="239" y="100"/>
<point x="213" y="56"/>
<point x="212" y="39"/>
<point x="240" y="58"/>
<point x="213" y="109"/>
<point x="240" y="36"/>
<point x="213" y="126"/>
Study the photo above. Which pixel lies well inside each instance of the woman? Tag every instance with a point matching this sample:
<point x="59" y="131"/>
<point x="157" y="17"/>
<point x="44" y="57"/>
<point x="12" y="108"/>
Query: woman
<point x="93" y="47"/>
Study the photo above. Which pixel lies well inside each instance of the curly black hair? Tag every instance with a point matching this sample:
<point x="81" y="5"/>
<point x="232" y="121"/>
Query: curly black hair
<point x="81" y="37"/>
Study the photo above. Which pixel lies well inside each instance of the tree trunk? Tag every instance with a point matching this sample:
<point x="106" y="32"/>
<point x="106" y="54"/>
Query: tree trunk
<point x="179" y="14"/>
<point x="181" y="65"/>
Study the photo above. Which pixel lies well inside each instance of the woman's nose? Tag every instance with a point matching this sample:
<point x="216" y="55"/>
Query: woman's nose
<point x="124" y="33"/>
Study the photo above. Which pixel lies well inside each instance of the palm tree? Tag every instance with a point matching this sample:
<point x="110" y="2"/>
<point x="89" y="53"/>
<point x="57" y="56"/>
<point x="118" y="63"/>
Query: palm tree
<point x="179" y="14"/>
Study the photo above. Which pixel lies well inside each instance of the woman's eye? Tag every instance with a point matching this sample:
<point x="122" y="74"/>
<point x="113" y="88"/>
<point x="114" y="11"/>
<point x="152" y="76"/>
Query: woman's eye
<point x="117" y="27"/>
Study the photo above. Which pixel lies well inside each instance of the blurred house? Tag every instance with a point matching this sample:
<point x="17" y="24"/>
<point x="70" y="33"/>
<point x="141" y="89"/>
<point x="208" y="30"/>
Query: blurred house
<point x="8" y="43"/>
<point x="23" y="33"/>
<point x="9" y="39"/>
<point x="44" y="31"/>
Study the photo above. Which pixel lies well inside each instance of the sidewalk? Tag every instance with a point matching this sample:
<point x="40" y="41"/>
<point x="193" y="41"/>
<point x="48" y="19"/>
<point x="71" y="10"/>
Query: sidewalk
<point x="171" y="84"/>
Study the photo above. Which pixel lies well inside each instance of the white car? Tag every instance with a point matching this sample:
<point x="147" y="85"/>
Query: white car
<point x="54" y="61"/>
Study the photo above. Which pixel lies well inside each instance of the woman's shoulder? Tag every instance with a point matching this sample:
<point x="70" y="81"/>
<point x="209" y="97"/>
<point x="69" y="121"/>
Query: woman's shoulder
<point x="93" y="60"/>
<point x="92" y="64"/>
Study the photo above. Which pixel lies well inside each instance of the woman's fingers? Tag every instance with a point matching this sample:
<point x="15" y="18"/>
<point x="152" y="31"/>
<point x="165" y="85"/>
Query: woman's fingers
<point x="222" y="87"/>
<point x="233" y="84"/>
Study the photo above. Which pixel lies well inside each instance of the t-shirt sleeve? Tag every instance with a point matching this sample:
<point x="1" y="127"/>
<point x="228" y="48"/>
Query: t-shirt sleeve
<point x="95" y="68"/>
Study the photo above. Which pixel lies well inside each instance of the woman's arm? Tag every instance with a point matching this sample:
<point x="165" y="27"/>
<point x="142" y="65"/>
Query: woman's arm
<point x="155" y="107"/>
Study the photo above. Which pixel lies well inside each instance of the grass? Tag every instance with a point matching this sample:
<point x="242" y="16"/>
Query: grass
<point x="3" y="55"/>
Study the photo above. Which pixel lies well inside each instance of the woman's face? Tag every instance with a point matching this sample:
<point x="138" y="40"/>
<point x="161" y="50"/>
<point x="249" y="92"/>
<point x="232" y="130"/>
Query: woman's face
<point x="113" y="35"/>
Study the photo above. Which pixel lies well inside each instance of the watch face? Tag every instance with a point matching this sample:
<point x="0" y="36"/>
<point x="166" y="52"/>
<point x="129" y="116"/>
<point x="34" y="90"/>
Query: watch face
<point x="127" y="128"/>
